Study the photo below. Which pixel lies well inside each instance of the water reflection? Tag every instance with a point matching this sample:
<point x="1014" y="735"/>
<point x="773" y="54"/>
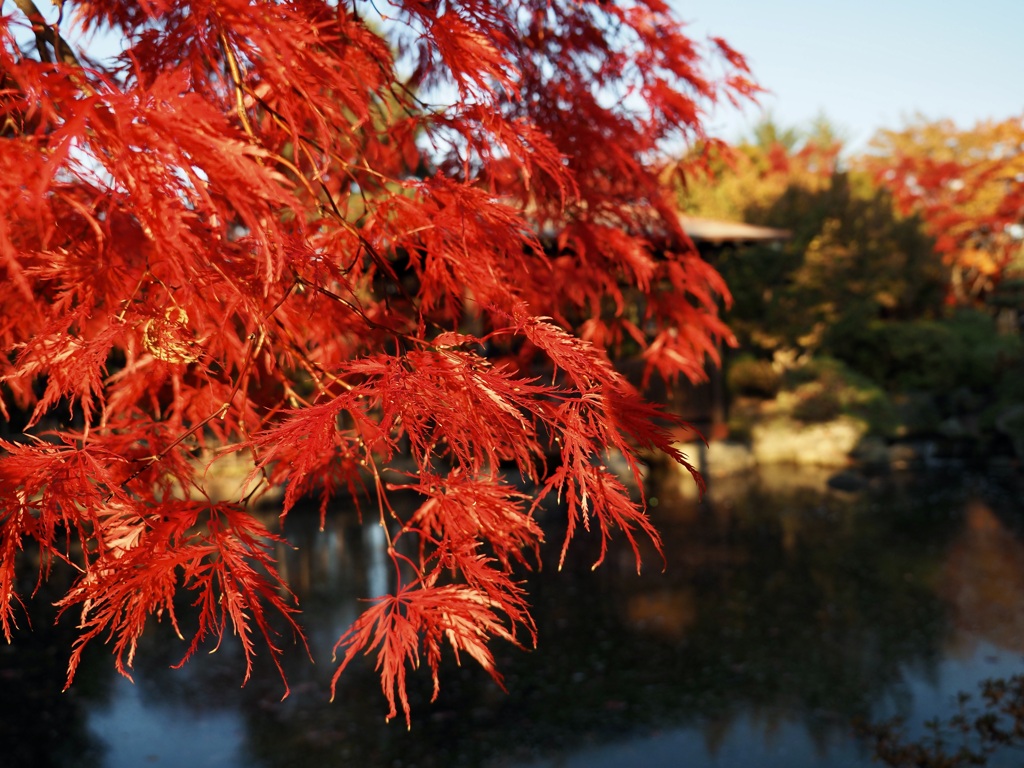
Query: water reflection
<point x="784" y="614"/>
<point x="139" y="728"/>
<point x="983" y="582"/>
<point x="39" y="726"/>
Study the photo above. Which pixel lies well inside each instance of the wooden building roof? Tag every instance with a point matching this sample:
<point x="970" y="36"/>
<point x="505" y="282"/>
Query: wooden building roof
<point x="718" y="232"/>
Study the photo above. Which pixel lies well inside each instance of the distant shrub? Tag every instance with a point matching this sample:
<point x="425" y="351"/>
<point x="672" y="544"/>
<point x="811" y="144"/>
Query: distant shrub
<point x="825" y="388"/>
<point x="816" y="403"/>
<point x="809" y="371"/>
<point x="926" y="355"/>
<point x="752" y="377"/>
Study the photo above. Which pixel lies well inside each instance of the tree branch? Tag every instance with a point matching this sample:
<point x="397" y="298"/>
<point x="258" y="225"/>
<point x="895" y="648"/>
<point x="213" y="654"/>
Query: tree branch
<point x="236" y="80"/>
<point x="46" y="34"/>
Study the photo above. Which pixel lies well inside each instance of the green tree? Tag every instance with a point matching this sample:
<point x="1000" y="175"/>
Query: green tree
<point x="851" y="257"/>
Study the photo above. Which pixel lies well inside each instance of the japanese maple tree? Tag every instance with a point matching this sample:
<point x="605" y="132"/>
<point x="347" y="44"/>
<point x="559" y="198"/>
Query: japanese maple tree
<point x="322" y="234"/>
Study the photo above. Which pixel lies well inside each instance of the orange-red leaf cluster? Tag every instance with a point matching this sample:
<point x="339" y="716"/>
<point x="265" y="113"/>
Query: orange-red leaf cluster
<point x="968" y="187"/>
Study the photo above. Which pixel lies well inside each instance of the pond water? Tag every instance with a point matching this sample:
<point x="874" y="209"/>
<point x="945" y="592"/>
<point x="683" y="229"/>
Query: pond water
<point x="786" y="614"/>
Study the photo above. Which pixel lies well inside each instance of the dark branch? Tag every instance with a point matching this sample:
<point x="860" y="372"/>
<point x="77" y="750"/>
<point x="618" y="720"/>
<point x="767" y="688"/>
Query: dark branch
<point x="47" y="35"/>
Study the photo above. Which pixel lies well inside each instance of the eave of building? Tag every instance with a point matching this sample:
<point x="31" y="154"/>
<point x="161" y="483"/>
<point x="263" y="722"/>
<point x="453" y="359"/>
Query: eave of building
<point x="719" y="232"/>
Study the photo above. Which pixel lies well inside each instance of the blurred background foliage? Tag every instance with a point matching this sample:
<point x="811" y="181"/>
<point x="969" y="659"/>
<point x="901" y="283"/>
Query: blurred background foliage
<point x="898" y="296"/>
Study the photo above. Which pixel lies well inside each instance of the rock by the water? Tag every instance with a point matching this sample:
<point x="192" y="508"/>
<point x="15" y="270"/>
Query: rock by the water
<point x="785" y="441"/>
<point x="850" y="482"/>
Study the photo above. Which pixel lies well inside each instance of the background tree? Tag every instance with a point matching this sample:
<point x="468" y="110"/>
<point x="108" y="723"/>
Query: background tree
<point x="258" y="229"/>
<point x="967" y="185"/>
<point x="851" y="258"/>
<point x="851" y="313"/>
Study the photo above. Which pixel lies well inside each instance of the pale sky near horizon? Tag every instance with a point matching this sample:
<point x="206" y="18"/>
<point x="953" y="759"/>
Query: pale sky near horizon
<point x="869" y="64"/>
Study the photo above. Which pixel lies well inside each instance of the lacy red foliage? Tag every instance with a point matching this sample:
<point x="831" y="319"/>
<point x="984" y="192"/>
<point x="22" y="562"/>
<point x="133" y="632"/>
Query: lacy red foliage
<point x="325" y="240"/>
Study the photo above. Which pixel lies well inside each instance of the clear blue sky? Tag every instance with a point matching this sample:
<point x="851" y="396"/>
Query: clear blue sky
<point x="869" y="64"/>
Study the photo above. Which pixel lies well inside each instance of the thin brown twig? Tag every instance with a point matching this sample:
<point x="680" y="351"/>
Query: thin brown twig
<point x="255" y="342"/>
<point x="236" y="80"/>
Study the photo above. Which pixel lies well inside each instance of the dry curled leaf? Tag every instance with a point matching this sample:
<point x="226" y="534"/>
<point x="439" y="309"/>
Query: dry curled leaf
<point x="168" y="338"/>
